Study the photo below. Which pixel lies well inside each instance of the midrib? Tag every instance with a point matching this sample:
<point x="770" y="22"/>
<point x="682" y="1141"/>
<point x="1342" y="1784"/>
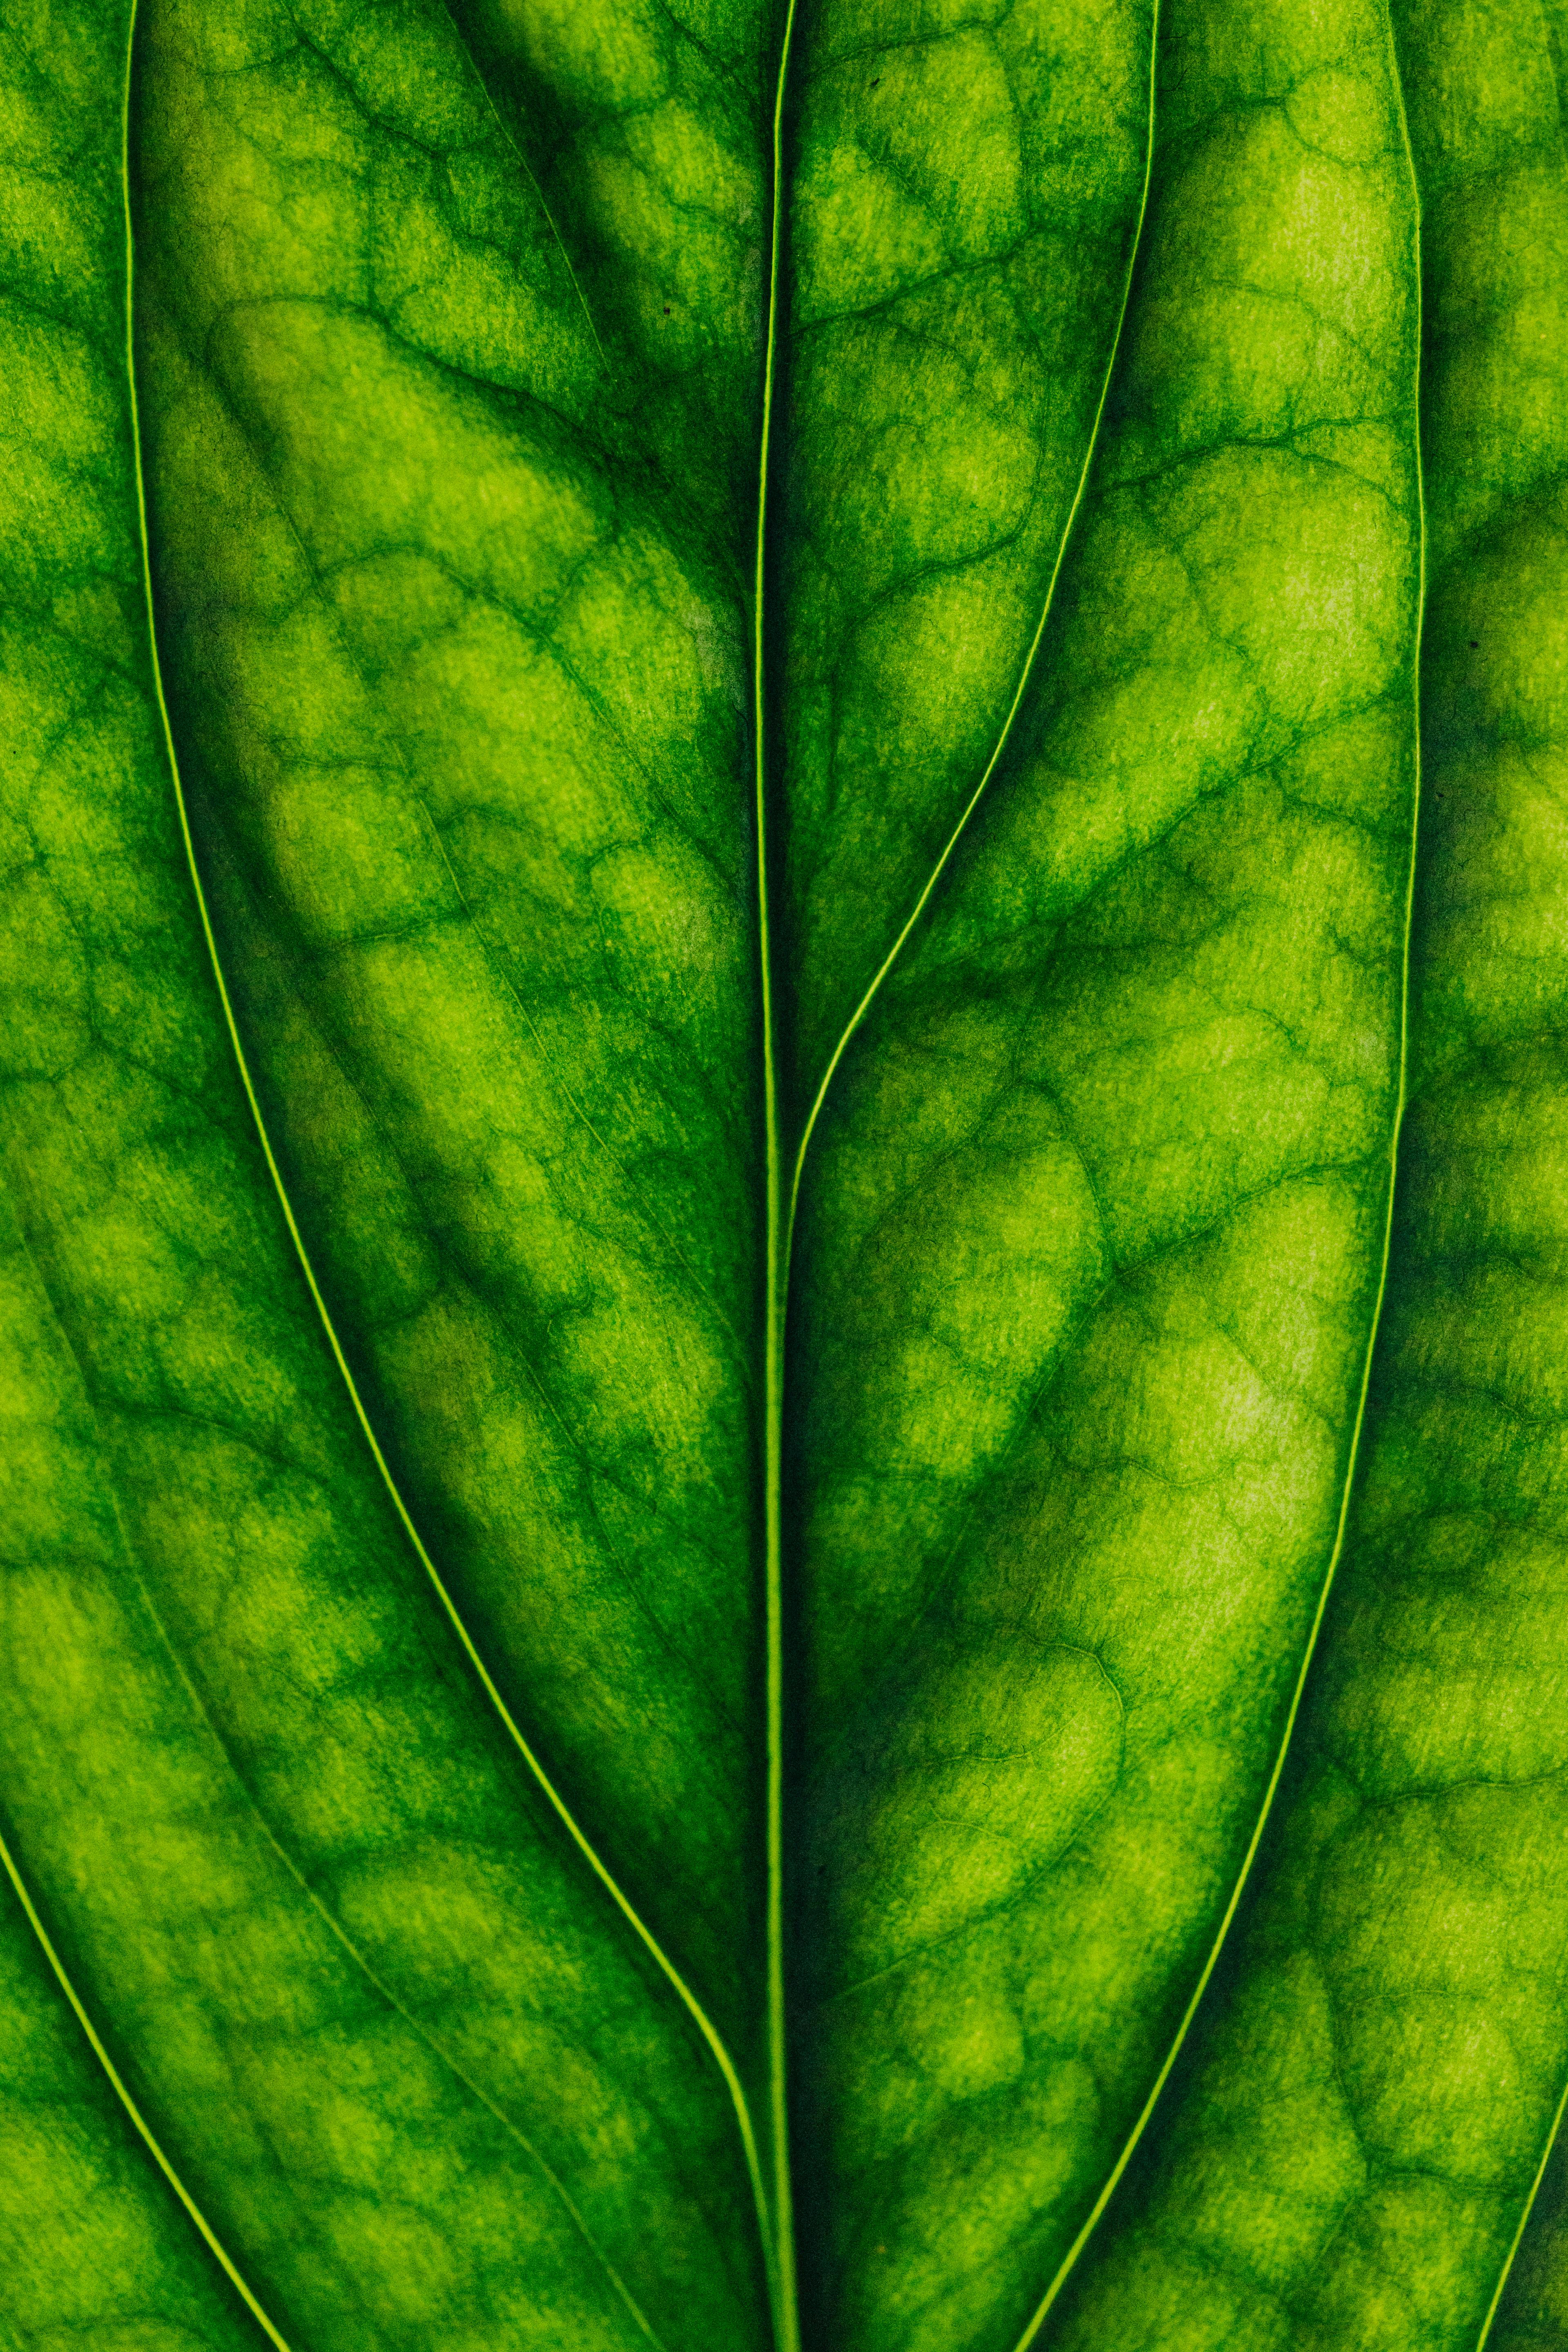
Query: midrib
<point x="781" y="1220"/>
<point x="780" y="1211"/>
<point x="780" y="2250"/>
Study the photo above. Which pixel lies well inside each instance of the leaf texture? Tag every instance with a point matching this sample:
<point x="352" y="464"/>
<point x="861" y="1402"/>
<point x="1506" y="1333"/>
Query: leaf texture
<point x="779" y="989"/>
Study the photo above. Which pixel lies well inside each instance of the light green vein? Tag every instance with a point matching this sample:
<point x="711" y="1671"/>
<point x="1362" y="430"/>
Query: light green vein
<point x="1518" y="2239"/>
<point x="324" y="1911"/>
<point x="215" y="2244"/>
<point x="781" y="2255"/>
<point x="1070" y="2260"/>
<point x="1026" y="673"/>
<point x="693" y="2007"/>
<point x="329" y="1919"/>
<point x="335" y="1927"/>
<point x="530" y="174"/>
<point x="1561" y="2111"/>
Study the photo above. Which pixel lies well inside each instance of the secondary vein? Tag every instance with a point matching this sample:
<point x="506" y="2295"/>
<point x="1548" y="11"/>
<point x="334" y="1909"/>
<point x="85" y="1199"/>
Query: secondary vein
<point x="709" y="2033"/>
<point x="8" y="1863"/>
<point x="1527" y="2210"/>
<point x="470" y="57"/>
<point x="1026" y="673"/>
<point x="432" y="2040"/>
<point x="214" y="2243"/>
<point x="1070" y="2260"/>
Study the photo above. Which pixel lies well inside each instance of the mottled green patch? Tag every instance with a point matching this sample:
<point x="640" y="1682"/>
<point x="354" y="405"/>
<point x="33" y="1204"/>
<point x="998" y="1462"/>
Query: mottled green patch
<point x="1162" y="548"/>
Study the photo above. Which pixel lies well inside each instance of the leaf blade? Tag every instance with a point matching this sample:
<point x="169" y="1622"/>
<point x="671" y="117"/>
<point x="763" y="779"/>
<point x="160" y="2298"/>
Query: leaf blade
<point x="1015" y="1954"/>
<point x="1385" y="1963"/>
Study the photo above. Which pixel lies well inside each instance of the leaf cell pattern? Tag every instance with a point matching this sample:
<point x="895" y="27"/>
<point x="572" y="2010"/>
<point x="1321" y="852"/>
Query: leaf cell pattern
<point x="780" y="1013"/>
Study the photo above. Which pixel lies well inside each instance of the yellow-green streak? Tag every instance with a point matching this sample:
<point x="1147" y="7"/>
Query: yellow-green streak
<point x="780" y="2264"/>
<point x="558" y="1804"/>
<point x="976" y="797"/>
<point x="7" y="1860"/>
<point x="1070" y="2258"/>
<point x="214" y="2243"/>
<point x="1518" y="2238"/>
<point x="530" y="176"/>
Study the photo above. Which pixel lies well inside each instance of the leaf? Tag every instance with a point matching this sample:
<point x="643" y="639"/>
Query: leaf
<point x="780" y="1018"/>
<point x="1387" y="2075"/>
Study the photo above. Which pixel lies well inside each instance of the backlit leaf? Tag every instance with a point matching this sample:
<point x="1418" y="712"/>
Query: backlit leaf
<point x="781" y="985"/>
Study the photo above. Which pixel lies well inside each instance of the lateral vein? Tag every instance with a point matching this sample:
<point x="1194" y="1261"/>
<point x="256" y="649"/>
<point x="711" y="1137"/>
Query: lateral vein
<point x="1026" y="673"/>
<point x="1515" y="2242"/>
<point x="1239" y="1889"/>
<point x="709" y="2033"/>
<point x="215" y="2244"/>
<point x="532" y="176"/>
<point x="323" y="1910"/>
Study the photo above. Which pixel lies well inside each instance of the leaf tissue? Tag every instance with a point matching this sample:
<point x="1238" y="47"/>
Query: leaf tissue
<point x="783" y="1099"/>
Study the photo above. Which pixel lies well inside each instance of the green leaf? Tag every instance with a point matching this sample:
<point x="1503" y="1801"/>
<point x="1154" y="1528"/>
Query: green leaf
<point x="780" y="986"/>
<point x="1357" y="2153"/>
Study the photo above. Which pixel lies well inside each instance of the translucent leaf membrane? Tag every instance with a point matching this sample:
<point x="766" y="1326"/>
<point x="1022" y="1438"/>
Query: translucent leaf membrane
<point x="1090" y="1265"/>
<point x="1353" y="2155"/>
<point x="1161" y="568"/>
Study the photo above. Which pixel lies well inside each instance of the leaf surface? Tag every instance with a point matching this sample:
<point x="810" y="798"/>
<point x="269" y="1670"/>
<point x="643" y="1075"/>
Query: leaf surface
<point x="1355" y="2156"/>
<point x="778" y="993"/>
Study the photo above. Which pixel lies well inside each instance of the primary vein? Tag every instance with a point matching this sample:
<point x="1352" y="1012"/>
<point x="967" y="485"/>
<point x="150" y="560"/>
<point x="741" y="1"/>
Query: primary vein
<point x="780" y="2251"/>
<point x="589" y="1853"/>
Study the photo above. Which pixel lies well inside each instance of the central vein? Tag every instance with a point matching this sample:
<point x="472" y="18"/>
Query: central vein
<point x="781" y="2251"/>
